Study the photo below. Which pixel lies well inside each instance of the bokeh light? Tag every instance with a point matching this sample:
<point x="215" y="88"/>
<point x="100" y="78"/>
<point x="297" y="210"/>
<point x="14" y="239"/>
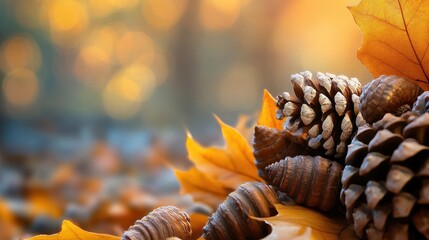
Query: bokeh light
<point x="163" y="15"/>
<point x="20" y="87"/>
<point x="67" y="16"/>
<point x="127" y="90"/>
<point x="19" y="52"/>
<point x="219" y="14"/>
<point x="132" y="46"/>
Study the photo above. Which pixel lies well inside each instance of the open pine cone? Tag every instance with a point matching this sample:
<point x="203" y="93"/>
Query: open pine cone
<point x="386" y="178"/>
<point x="325" y="111"/>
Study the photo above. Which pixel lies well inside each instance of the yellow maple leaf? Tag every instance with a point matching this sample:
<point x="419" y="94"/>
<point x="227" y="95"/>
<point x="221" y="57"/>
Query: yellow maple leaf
<point x="267" y="117"/>
<point x="217" y="171"/>
<point x="295" y="222"/>
<point x="71" y="232"/>
<point x="396" y="38"/>
<point x="223" y="169"/>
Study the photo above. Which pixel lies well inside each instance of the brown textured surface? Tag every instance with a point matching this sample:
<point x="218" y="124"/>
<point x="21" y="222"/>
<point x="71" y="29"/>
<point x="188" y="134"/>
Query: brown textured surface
<point x="385" y="184"/>
<point x="161" y="223"/>
<point x="324" y="109"/>
<point x="387" y="94"/>
<point x="271" y="145"/>
<point x="310" y="181"/>
<point x="231" y="219"/>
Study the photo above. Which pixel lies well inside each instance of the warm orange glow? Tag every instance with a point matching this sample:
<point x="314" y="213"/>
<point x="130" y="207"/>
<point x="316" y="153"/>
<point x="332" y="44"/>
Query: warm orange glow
<point x="126" y="90"/>
<point x="19" y="52"/>
<point x="219" y="14"/>
<point x="132" y="45"/>
<point x="67" y="15"/>
<point x="100" y="8"/>
<point x="163" y="14"/>
<point x="20" y="87"/>
<point x="306" y="32"/>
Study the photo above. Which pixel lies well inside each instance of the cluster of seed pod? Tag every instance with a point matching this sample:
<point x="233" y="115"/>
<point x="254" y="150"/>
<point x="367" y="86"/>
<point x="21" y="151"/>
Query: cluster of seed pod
<point x="311" y="181"/>
<point x="421" y="105"/>
<point x="325" y="109"/>
<point x="231" y="219"/>
<point x="161" y="223"/>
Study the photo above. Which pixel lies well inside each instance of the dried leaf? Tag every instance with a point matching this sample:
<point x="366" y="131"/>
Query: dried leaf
<point x="217" y="171"/>
<point x="295" y="222"/>
<point x="71" y="232"/>
<point x="267" y="116"/>
<point x="197" y="222"/>
<point x="196" y="183"/>
<point x="396" y="38"/>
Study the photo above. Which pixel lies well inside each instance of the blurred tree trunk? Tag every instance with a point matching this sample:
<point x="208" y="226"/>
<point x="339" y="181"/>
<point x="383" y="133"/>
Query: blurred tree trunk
<point x="184" y="50"/>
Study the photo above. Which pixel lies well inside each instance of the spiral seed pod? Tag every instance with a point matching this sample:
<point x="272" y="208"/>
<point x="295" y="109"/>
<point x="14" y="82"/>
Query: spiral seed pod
<point x="271" y="145"/>
<point x="310" y="181"/>
<point x="231" y="219"/>
<point x="325" y="111"/>
<point x="386" y="179"/>
<point x="387" y="94"/>
<point x="422" y="104"/>
<point x="161" y="223"/>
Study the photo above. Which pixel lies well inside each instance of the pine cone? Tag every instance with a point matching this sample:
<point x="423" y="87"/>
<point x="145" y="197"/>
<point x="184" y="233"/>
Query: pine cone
<point x="387" y="94"/>
<point x="324" y="110"/>
<point x="386" y="178"/>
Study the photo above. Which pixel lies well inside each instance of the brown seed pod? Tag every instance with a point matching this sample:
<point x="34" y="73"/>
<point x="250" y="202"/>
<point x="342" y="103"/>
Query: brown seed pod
<point x="311" y="181"/>
<point x="271" y="145"/>
<point x="387" y="94"/>
<point x="231" y="219"/>
<point x="161" y="223"/>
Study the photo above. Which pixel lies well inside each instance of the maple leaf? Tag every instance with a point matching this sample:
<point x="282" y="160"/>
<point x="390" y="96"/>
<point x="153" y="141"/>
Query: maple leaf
<point x="71" y="232"/>
<point x="217" y="171"/>
<point x="267" y="117"/>
<point x="295" y="222"/>
<point x="396" y="38"/>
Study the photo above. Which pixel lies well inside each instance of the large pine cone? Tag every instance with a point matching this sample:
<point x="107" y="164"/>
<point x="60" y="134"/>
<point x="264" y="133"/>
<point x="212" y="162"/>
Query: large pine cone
<point x="324" y="110"/>
<point x="386" y="179"/>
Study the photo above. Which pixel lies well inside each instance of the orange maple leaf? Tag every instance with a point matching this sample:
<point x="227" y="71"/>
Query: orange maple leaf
<point x="71" y="232"/>
<point x="396" y="38"/>
<point x="218" y="171"/>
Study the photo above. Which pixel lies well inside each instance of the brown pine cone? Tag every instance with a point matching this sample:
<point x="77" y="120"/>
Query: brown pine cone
<point x="386" y="178"/>
<point x="387" y="94"/>
<point x="325" y="110"/>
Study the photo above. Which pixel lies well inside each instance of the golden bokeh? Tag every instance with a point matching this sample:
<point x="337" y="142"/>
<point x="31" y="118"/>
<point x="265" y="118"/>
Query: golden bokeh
<point x="67" y="15"/>
<point x="19" y="52"/>
<point x="20" y="87"/>
<point x="163" y="15"/>
<point x="132" y="45"/>
<point x="125" y="92"/>
<point x="219" y="14"/>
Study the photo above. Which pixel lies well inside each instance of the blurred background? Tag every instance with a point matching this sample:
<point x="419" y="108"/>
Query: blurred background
<point x="96" y="94"/>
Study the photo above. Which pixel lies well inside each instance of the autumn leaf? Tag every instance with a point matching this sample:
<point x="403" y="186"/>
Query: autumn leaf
<point x="267" y="117"/>
<point x="223" y="169"/>
<point x="71" y="232"/>
<point x="295" y="222"/>
<point x="396" y="38"/>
